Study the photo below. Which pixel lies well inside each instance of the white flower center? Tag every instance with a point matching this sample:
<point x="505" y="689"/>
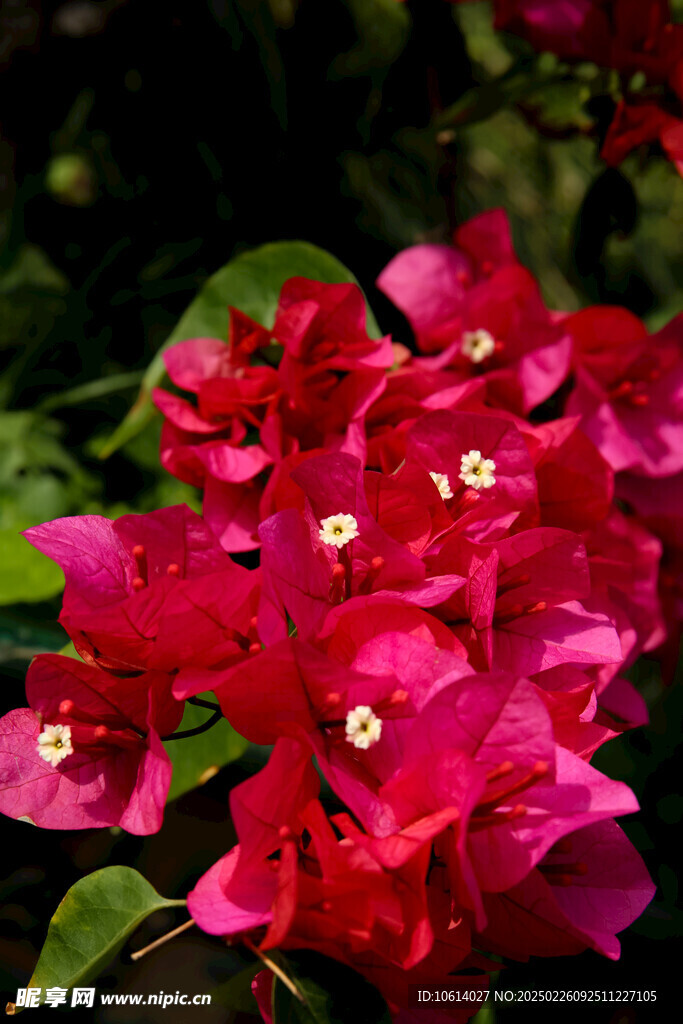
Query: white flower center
<point x="363" y="727"/>
<point x="54" y="743"/>
<point x="477" y="345"/>
<point x="477" y="472"/>
<point x="443" y="484"/>
<point x="338" y="530"/>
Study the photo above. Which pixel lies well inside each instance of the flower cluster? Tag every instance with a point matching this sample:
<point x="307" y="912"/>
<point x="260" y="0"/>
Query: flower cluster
<point x="447" y="599"/>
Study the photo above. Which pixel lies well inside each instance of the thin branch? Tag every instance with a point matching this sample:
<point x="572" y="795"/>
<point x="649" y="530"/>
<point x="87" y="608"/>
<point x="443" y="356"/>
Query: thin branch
<point x="186" y="733"/>
<point x="164" y="938"/>
<point x="272" y="966"/>
<point x="199" y="703"/>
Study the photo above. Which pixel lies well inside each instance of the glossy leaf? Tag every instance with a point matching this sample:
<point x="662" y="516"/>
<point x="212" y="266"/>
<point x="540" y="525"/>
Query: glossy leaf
<point x="91" y="924"/>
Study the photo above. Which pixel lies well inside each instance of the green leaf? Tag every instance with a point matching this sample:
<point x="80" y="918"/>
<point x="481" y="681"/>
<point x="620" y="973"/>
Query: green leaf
<point x="25" y="573"/>
<point x="251" y="282"/>
<point x="91" y="925"/>
<point x="198" y="758"/>
<point x="337" y="1002"/>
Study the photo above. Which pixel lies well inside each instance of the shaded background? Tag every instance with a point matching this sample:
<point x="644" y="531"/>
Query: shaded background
<point x="144" y="145"/>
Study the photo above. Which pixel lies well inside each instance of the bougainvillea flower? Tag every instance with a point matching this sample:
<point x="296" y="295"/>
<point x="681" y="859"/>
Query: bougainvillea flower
<point x="520" y="609"/>
<point x="641" y="123"/>
<point x="203" y="440"/>
<point x="496" y="326"/>
<point x="575" y="483"/>
<point x="571" y="701"/>
<point x="629" y="389"/>
<point x="589" y="886"/>
<point x="573" y="29"/>
<point x="321" y="893"/>
<point x="665" y="520"/>
<point x="115" y="770"/>
<point x="303" y="577"/>
<point x="295" y="683"/>
<point x="628" y="35"/>
<point x="407" y="506"/>
<point x="321" y="701"/>
<point x="421" y="670"/>
<point x="531" y="347"/>
<point x="428" y="282"/>
<point x="532" y="793"/>
<point x="410" y="391"/>
<point x="352" y="624"/>
<point x="441" y="441"/>
<point x="149" y="591"/>
<point x="624" y="564"/>
<point x="451" y="951"/>
<point x="330" y="372"/>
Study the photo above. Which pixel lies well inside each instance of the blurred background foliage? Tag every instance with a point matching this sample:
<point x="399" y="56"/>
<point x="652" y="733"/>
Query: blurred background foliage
<point x="141" y="147"/>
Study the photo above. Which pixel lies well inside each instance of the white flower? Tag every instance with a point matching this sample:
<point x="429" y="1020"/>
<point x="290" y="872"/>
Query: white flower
<point x="338" y="530"/>
<point x="477" y="345"/>
<point x="443" y="484"/>
<point x="54" y="743"/>
<point x="477" y="472"/>
<point x="363" y="727"/>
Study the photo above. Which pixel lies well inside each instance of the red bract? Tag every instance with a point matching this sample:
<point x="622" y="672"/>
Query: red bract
<point x="320" y="893"/>
<point x="329" y="373"/>
<point x="624" y="563"/>
<point x="629" y="35"/>
<point x="520" y="609"/>
<point x="438" y="441"/>
<point x="150" y="591"/>
<point x="304" y="576"/>
<point x="504" y="332"/>
<point x="517" y="791"/>
<point x="308" y="695"/>
<point x="629" y="389"/>
<point x="664" y="517"/>
<point x="410" y="391"/>
<point x="575" y="483"/>
<point x="589" y="886"/>
<point x="112" y="769"/>
<point x="573" y="29"/>
<point x="495" y="326"/>
<point x="429" y="282"/>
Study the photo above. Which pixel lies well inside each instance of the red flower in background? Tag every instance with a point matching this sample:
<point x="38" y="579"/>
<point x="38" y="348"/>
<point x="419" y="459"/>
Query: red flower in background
<point x="631" y="36"/>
